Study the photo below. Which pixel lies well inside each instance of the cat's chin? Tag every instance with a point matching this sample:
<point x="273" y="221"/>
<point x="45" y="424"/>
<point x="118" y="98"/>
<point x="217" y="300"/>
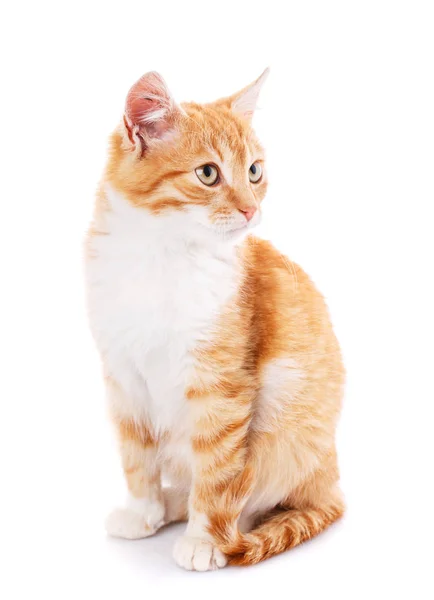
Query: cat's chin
<point x="230" y="230"/>
<point x="230" y="235"/>
<point x="236" y="234"/>
<point x="238" y="231"/>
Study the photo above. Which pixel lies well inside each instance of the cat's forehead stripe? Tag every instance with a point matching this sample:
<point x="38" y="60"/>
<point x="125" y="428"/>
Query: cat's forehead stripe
<point x="222" y="131"/>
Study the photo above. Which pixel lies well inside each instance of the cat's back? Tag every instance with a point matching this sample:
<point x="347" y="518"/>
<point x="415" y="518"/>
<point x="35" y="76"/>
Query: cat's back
<point x="290" y="314"/>
<point x="274" y="279"/>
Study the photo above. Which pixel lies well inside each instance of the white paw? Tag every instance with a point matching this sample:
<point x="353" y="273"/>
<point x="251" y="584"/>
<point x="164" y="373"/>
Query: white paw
<point x="135" y="523"/>
<point x="195" y="554"/>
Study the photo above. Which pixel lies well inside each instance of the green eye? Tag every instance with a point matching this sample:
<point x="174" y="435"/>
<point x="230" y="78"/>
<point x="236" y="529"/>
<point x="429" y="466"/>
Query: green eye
<point x="255" y="172"/>
<point x="208" y="174"/>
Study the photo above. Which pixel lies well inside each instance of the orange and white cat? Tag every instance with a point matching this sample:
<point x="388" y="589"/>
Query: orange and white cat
<point x="223" y="375"/>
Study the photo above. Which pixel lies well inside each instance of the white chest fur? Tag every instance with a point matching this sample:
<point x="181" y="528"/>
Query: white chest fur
<point x="152" y="298"/>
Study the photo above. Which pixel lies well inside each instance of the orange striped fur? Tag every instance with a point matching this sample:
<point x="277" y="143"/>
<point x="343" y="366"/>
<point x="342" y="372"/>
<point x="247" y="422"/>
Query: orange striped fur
<point x="246" y="432"/>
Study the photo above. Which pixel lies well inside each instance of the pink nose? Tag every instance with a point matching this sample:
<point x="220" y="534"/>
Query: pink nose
<point x="249" y="213"/>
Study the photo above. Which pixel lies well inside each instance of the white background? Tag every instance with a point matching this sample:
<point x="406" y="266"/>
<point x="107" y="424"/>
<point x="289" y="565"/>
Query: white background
<point x="347" y="118"/>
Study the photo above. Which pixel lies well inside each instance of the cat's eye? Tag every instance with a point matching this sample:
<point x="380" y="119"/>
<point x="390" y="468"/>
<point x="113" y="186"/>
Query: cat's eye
<point x="208" y="174"/>
<point x="255" y="172"/>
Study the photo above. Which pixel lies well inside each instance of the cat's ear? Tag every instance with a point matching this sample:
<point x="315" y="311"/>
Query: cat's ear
<point x="244" y="102"/>
<point x="150" y="111"/>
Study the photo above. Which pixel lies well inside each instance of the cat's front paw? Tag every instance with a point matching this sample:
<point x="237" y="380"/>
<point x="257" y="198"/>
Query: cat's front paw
<point x="195" y="554"/>
<point x="135" y="523"/>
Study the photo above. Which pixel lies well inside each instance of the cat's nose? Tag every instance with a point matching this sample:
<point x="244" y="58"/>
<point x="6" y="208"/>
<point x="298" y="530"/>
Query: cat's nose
<point x="249" y="212"/>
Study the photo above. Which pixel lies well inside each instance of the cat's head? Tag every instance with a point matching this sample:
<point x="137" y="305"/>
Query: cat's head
<point x="200" y="161"/>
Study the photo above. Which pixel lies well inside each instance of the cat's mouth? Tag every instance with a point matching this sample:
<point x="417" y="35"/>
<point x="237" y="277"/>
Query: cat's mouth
<point x="228" y="228"/>
<point x="234" y="233"/>
<point x="234" y="229"/>
<point x="237" y="226"/>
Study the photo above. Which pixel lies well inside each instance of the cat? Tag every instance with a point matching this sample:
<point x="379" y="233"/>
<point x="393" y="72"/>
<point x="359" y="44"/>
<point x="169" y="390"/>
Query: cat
<point x="222" y="371"/>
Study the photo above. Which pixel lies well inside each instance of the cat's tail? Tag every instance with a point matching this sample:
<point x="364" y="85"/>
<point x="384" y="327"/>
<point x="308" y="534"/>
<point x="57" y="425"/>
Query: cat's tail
<point x="283" y="530"/>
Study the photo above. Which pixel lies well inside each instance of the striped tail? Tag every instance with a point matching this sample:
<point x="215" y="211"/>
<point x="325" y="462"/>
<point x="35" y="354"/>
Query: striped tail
<point x="278" y="533"/>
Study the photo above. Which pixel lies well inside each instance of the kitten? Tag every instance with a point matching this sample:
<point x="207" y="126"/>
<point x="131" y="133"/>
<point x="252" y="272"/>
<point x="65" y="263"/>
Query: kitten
<point x="222" y="371"/>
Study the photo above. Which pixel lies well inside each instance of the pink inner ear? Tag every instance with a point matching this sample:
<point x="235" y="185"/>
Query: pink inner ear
<point x="149" y="105"/>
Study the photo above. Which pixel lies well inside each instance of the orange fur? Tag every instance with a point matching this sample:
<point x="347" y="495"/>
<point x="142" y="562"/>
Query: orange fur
<point x="279" y="314"/>
<point x="278" y="468"/>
